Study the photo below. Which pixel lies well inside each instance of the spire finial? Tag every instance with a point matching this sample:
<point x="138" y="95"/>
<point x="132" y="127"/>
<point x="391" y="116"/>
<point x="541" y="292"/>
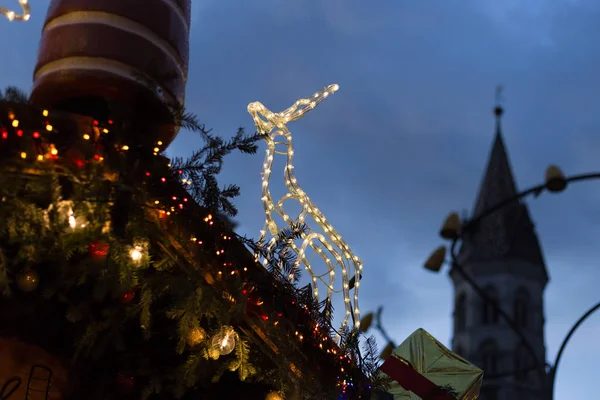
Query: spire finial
<point x="498" y="110"/>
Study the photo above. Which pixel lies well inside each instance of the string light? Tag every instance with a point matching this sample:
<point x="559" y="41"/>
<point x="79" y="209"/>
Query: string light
<point x="136" y="253"/>
<point x="13" y="16"/>
<point x="224" y="341"/>
<point x="274" y="126"/>
<point x="139" y="251"/>
<point x="73" y="223"/>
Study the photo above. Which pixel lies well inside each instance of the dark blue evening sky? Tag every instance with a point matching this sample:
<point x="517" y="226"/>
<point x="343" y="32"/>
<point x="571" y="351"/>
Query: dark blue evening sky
<point x="406" y="138"/>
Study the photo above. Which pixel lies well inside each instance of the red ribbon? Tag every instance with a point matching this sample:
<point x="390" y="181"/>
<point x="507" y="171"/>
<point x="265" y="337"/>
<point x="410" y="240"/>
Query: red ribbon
<point x="411" y="380"/>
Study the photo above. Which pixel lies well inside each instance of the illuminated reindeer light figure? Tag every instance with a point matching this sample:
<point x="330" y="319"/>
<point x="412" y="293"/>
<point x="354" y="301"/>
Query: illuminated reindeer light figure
<point x="331" y="248"/>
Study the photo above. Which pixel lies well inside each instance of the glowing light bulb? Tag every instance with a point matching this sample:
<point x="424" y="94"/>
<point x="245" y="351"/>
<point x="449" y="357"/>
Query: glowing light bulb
<point x="224" y="340"/>
<point x="136" y="253"/>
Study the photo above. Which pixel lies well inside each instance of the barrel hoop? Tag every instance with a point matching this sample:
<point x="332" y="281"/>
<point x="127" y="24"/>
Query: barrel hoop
<point x="180" y="13"/>
<point x="105" y="65"/>
<point x="121" y="23"/>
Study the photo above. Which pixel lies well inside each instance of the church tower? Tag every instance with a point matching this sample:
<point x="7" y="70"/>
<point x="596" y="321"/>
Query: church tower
<point x="504" y="257"/>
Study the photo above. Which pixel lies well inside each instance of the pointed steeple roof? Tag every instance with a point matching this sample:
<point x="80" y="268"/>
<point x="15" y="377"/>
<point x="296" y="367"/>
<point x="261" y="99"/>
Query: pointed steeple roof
<point x="509" y="232"/>
<point x="498" y="182"/>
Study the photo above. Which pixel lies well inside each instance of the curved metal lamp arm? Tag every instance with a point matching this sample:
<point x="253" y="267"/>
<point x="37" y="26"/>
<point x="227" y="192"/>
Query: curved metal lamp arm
<point x="565" y="341"/>
<point x="535" y="190"/>
<point x="539" y="366"/>
<point x="379" y="327"/>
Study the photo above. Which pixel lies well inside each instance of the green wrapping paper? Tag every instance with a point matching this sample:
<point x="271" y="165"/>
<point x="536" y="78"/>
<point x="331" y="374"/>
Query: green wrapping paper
<point x="436" y="363"/>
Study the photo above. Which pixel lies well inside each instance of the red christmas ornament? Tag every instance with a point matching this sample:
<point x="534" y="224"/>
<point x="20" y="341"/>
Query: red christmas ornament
<point x="98" y="250"/>
<point x="127" y="297"/>
<point x="125" y="382"/>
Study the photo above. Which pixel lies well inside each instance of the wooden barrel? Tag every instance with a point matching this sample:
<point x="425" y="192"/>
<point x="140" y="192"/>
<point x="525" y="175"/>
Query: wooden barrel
<point x="125" y="51"/>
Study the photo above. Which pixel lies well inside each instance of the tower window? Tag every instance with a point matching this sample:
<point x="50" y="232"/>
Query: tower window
<point x="521" y="363"/>
<point x="489" y="357"/>
<point x="489" y="310"/>
<point x="521" y="307"/>
<point x="460" y="313"/>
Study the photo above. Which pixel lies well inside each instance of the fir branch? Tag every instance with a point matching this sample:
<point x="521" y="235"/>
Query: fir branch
<point x="88" y="339"/>
<point x="13" y="94"/>
<point x="187" y="315"/>
<point x="146" y="299"/>
<point x="280" y="257"/>
<point x="191" y="367"/>
<point x="203" y="165"/>
<point x="370" y="365"/>
<point x="242" y="362"/>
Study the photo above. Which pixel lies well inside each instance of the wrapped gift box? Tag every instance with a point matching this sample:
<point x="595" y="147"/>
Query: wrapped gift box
<point x="423" y="368"/>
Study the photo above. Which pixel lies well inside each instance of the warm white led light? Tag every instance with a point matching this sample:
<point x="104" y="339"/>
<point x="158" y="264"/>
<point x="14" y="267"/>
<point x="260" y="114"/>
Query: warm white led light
<point x="273" y="126"/>
<point x="136" y="253"/>
<point x="13" y="16"/>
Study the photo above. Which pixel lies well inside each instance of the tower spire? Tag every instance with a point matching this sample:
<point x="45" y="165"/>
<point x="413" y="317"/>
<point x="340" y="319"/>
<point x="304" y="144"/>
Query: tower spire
<point x="508" y="232"/>
<point x="498" y="182"/>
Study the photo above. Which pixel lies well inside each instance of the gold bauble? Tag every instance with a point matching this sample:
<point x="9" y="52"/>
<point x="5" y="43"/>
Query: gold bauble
<point x="28" y="280"/>
<point x="274" y="396"/>
<point x="224" y="340"/>
<point x="196" y="336"/>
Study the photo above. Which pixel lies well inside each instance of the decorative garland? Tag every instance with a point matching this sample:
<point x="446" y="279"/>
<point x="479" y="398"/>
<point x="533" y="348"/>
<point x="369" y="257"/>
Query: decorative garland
<point x="137" y="264"/>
